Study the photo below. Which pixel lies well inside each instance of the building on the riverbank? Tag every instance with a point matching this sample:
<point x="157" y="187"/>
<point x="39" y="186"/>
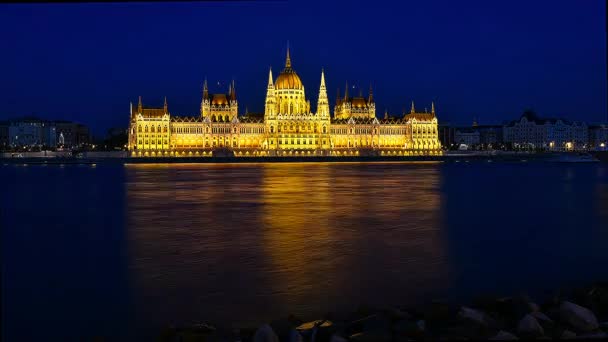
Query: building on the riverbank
<point x="531" y="131"/>
<point x="71" y="134"/>
<point x="598" y="137"/>
<point x="446" y="135"/>
<point x="30" y="131"/>
<point x="4" y="141"/>
<point x="468" y="136"/>
<point x="288" y="126"/>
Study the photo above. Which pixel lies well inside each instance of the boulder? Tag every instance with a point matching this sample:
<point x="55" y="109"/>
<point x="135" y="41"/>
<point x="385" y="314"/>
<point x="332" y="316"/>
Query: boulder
<point x="567" y="334"/>
<point x="371" y="337"/>
<point x="294" y="336"/>
<point x="529" y="327"/>
<point x="265" y="334"/>
<point x="596" y="335"/>
<point x="476" y="316"/>
<point x="310" y="325"/>
<point x="503" y="336"/>
<point x="577" y="316"/>
<point x="337" y="338"/>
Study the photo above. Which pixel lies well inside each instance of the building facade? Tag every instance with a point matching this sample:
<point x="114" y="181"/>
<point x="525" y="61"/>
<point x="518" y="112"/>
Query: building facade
<point x="32" y="132"/>
<point x="71" y="134"/>
<point x="530" y="131"/>
<point x="4" y="137"/>
<point x="468" y="136"/>
<point x="288" y="126"/>
<point x="598" y="137"/>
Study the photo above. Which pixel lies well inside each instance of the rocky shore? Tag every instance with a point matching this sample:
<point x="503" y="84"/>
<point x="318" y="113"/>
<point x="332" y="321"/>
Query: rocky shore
<point x="580" y="313"/>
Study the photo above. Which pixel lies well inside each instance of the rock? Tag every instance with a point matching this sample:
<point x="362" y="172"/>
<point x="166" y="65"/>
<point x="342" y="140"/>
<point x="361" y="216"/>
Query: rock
<point x="405" y="329"/>
<point x="476" y="316"/>
<point x="577" y="316"/>
<point x="337" y="338"/>
<point x="541" y="317"/>
<point x="312" y="324"/>
<point x="370" y="337"/>
<point x="503" y="336"/>
<point x="595" y="335"/>
<point x="294" y="336"/>
<point x="566" y="334"/>
<point x="265" y="334"/>
<point x="533" y="307"/>
<point x="530" y="327"/>
<point x="421" y="324"/>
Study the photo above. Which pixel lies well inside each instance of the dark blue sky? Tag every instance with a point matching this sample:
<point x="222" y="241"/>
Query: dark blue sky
<point x="484" y="59"/>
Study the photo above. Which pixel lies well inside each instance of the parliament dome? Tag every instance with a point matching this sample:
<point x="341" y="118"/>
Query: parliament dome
<point x="288" y="78"/>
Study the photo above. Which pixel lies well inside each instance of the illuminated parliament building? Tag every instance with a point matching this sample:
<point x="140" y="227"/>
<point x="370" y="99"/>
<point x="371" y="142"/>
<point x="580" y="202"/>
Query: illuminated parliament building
<point x="287" y="128"/>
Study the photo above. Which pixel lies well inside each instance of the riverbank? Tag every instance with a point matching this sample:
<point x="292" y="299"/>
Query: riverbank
<point x="580" y="313"/>
<point x="447" y="157"/>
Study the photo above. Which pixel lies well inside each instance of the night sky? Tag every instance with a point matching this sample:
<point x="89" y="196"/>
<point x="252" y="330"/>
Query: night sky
<point x="484" y="59"/>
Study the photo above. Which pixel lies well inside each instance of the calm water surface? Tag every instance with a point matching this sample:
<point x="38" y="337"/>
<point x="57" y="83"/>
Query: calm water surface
<point x="123" y="250"/>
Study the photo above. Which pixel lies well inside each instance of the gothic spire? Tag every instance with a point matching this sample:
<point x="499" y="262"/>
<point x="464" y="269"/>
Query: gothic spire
<point x="288" y="59"/>
<point x="205" y="90"/>
<point x="371" y="94"/>
<point x="270" y="82"/>
<point x="346" y="92"/>
<point x="233" y="92"/>
<point x="139" y="105"/>
<point x="433" y="108"/>
<point x="165" y="105"/>
<point x="413" y="110"/>
<point x="322" y="78"/>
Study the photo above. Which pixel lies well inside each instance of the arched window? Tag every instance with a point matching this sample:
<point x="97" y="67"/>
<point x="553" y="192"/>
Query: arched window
<point x="271" y="129"/>
<point x="139" y="129"/>
<point x="146" y="129"/>
<point x="324" y="129"/>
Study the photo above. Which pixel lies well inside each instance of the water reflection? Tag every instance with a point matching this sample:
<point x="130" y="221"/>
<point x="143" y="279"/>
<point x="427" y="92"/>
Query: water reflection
<point x="248" y="242"/>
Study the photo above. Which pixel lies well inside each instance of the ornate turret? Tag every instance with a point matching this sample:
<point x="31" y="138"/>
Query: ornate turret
<point x="165" y="106"/>
<point x="323" y="103"/>
<point x="139" y="106"/>
<point x="270" y="98"/>
<point x="433" y="108"/>
<point x="371" y="94"/>
<point x="412" y="110"/>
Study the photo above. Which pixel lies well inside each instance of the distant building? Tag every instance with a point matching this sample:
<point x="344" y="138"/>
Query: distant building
<point x="531" y="131"/>
<point x="467" y="135"/>
<point x="598" y="137"/>
<point x="490" y="134"/>
<point x="4" y="137"/>
<point x="446" y="135"/>
<point x="71" y="134"/>
<point x="31" y="132"/>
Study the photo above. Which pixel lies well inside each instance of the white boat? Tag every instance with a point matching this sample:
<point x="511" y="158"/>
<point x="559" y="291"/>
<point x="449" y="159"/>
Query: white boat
<point x="574" y="158"/>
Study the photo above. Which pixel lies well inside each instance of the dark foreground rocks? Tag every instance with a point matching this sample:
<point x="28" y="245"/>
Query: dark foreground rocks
<point x="579" y="314"/>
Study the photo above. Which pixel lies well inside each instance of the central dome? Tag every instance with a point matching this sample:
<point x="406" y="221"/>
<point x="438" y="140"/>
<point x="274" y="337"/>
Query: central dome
<point x="288" y="79"/>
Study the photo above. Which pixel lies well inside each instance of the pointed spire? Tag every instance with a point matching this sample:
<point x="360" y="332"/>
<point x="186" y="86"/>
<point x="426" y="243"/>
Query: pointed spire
<point x="288" y="59"/>
<point x="233" y="92"/>
<point x="322" y="78"/>
<point x="433" y="108"/>
<point x="205" y="90"/>
<point x="360" y="92"/>
<point x="346" y="91"/>
<point x="165" y="105"/>
<point x="385" y="114"/>
<point x="270" y="81"/>
<point x="139" y="105"/>
<point x="413" y="110"/>
<point x="371" y="94"/>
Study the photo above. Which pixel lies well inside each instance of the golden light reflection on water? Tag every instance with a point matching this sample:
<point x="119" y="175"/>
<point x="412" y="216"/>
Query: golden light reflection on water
<point x="246" y="242"/>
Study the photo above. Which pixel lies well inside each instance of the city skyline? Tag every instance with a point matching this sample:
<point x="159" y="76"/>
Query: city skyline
<point x="474" y="61"/>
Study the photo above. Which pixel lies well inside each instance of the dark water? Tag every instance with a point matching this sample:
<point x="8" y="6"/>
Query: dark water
<point x="121" y="251"/>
